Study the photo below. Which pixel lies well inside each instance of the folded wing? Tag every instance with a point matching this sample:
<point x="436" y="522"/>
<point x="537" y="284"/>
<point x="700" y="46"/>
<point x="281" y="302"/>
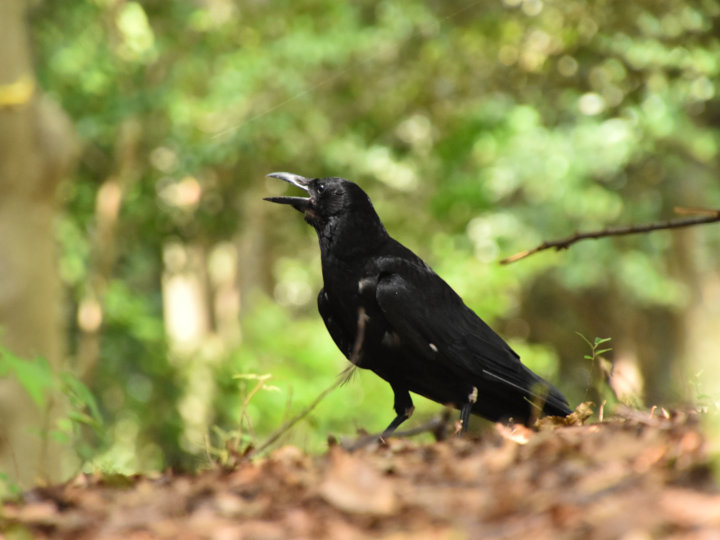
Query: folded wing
<point x="452" y="343"/>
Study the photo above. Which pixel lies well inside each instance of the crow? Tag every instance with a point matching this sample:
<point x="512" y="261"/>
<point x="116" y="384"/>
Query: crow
<point x="389" y="312"/>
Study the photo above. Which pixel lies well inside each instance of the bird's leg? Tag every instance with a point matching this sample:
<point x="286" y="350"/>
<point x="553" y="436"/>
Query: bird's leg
<point x="467" y="409"/>
<point x="403" y="408"/>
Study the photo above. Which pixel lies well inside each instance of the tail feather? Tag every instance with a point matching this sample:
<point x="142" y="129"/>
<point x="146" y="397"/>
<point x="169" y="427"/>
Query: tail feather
<point x="555" y="403"/>
<point x="539" y="392"/>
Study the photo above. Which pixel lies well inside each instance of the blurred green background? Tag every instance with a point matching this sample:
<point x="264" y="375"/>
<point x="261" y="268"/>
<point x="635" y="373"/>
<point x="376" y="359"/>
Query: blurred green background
<point x="479" y="129"/>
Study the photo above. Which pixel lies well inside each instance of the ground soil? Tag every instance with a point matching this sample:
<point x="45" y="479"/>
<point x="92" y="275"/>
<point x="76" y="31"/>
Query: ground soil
<point x="636" y="476"/>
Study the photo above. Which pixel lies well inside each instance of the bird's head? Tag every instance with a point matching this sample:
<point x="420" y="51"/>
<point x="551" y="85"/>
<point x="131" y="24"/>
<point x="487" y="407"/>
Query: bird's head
<point x="328" y="198"/>
<point x="339" y="210"/>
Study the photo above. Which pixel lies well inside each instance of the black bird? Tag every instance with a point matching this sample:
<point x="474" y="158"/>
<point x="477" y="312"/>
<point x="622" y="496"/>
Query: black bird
<point x="387" y="311"/>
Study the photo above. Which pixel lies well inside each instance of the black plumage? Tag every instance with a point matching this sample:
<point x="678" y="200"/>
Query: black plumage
<point x="387" y="311"/>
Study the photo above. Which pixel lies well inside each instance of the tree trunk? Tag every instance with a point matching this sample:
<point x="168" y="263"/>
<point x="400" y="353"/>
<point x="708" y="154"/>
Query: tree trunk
<point x="36" y="148"/>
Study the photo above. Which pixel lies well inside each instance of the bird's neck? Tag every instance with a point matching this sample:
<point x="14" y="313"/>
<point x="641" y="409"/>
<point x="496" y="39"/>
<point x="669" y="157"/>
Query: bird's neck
<point x="347" y="239"/>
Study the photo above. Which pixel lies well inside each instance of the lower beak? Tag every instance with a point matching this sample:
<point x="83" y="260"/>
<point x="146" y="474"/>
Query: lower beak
<point x="298" y="203"/>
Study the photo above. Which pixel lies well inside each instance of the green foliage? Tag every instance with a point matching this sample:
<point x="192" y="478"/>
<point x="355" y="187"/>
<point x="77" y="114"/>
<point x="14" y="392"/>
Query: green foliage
<point x="478" y="130"/>
<point x="8" y="488"/>
<point x="80" y="426"/>
<point x="595" y="351"/>
<point x="233" y="442"/>
<point x="36" y="376"/>
<point x="601" y="371"/>
<point x="705" y="400"/>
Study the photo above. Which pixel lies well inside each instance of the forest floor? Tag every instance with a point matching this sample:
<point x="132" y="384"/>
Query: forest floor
<point x="636" y="476"/>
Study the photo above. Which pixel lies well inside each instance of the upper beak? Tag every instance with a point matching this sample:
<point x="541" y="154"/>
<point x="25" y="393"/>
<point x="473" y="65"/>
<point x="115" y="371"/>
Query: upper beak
<point x="299" y="203"/>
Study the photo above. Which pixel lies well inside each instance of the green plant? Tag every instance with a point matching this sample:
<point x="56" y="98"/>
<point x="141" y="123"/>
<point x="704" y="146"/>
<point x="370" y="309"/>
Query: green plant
<point x="8" y="488"/>
<point x="235" y="443"/>
<point x="600" y="371"/>
<point x="43" y="384"/>
<point x="705" y="401"/>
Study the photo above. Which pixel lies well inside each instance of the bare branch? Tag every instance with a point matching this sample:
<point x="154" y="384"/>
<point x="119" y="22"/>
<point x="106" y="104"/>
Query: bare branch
<point x="285" y="427"/>
<point x="708" y="216"/>
<point x="342" y="379"/>
<point x="438" y="426"/>
<point x="692" y="210"/>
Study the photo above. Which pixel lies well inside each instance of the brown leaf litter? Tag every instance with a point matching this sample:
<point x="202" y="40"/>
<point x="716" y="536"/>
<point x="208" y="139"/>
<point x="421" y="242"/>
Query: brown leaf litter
<point x="636" y="476"/>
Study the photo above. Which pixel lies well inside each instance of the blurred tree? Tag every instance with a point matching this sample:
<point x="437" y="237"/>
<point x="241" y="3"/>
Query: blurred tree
<point x="36" y="150"/>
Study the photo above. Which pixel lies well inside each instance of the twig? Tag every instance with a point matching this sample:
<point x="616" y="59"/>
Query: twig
<point x="437" y="426"/>
<point x="246" y="402"/>
<point x="359" y="337"/>
<point x="279" y="432"/>
<point x="693" y="210"/>
<point x="710" y="216"/>
<point x="342" y="379"/>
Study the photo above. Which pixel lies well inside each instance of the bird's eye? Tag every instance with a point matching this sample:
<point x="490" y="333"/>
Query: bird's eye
<point x="320" y="188"/>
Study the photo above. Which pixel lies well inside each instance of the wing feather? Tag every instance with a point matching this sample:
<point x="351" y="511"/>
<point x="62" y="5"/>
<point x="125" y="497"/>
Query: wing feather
<point x="432" y="313"/>
<point x="432" y="319"/>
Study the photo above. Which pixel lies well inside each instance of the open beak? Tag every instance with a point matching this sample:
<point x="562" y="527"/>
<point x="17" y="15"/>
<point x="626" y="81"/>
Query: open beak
<point x="299" y="203"/>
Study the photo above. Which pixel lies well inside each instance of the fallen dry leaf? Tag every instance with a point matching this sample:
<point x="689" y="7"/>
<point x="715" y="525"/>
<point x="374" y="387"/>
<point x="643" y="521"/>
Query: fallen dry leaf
<point x="637" y="476"/>
<point x="355" y="486"/>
